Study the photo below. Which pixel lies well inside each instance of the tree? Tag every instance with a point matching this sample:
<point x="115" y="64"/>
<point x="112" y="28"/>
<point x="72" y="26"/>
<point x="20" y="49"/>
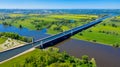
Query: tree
<point x="85" y="59"/>
<point x="104" y="24"/>
<point x="114" y="25"/>
<point x="116" y="45"/>
<point x="80" y="34"/>
<point x="20" y="26"/>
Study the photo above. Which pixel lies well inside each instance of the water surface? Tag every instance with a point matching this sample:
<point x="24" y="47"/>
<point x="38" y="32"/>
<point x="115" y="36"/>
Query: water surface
<point x="36" y="34"/>
<point x="105" y="56"/>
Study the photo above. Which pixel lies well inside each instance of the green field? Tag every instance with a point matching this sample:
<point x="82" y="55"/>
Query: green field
<point x="50" y="57"/>
<point x="37" y="22"/>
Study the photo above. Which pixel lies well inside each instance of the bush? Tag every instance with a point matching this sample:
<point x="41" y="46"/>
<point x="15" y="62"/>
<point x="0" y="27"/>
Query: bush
<point x="80" y="34"/>
<point x="116" y="45"/>
<point x="94" y="41"/>
<point x="85" y="59"/>
<point x="16" y="36"/>
<point x="114" y="25"/>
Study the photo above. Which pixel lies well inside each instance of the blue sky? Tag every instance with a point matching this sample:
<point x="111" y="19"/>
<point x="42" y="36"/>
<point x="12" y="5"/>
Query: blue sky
<point x="60" y="4"/>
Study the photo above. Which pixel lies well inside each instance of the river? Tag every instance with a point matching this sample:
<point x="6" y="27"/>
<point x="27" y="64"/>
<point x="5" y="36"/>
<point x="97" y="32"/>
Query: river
<point x="105" y="56"/>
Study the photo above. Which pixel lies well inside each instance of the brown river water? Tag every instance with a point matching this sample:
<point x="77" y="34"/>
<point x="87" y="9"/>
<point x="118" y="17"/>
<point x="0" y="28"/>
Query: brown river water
<point x="105" y="56"/>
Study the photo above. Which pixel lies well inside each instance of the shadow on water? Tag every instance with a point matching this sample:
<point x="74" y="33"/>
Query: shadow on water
<point x="106" y="56"/>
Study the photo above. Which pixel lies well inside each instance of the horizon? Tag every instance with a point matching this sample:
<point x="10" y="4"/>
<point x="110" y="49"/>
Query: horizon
<point x="57" y="9"/>
<point x="59" y="4"/>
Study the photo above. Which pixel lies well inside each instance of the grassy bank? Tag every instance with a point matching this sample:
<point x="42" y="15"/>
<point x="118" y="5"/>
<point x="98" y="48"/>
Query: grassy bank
<point x="107" y="32"/>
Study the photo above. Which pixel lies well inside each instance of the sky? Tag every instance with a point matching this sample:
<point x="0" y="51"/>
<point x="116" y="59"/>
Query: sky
<point x="59" y="4"/>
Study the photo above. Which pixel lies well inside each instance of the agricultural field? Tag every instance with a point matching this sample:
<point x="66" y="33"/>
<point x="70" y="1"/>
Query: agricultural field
<point x="50" y="57"/>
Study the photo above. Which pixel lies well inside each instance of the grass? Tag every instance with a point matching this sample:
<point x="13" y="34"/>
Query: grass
<point x="99" y="37"/>
<point x="25" y="24"/>
<point x="44" y="21"/>
<point x="104" y="34"/>
<point x="2" y="40"/>
<point x="19" y="60"/>
<point x="16" y="15"/>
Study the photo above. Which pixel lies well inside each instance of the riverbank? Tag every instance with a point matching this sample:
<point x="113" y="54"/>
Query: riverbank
<point x="48" y="57"/>
<point x="107" y="33"/>
<point x="105" y="56"/>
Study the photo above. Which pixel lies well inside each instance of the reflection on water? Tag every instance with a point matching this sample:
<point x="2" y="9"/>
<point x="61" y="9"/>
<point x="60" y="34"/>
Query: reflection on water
<point x="105" y="56"/>
<point x="24" y="31"/>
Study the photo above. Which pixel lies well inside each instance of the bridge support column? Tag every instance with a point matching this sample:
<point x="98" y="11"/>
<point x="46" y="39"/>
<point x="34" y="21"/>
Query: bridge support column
<point x="71" y="32"/>
<point x="32" y="40"/>
<point x="41" y="44"/>
<point x="64" y="34"/>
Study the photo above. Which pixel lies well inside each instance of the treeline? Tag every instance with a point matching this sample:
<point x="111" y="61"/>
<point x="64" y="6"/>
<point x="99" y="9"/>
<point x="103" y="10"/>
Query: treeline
<point x="51" y="57"/>
<point x="15" y="36"/>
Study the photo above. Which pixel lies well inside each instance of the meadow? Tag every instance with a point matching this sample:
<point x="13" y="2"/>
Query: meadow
<point x="55" y="23"/>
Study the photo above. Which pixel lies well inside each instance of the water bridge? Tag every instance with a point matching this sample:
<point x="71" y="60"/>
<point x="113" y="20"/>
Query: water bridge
<point x="48" y="41"/>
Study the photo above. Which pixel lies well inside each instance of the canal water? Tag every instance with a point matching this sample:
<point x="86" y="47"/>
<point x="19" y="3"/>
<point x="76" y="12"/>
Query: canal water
<point x="105" y="56"/>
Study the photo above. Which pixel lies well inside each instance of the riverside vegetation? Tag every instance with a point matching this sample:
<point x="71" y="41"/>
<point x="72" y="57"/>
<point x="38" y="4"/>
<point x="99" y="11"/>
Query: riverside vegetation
<point x="50" y="57"/>
<point x="107" y="32"/>
<point x="4" y="35"/>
